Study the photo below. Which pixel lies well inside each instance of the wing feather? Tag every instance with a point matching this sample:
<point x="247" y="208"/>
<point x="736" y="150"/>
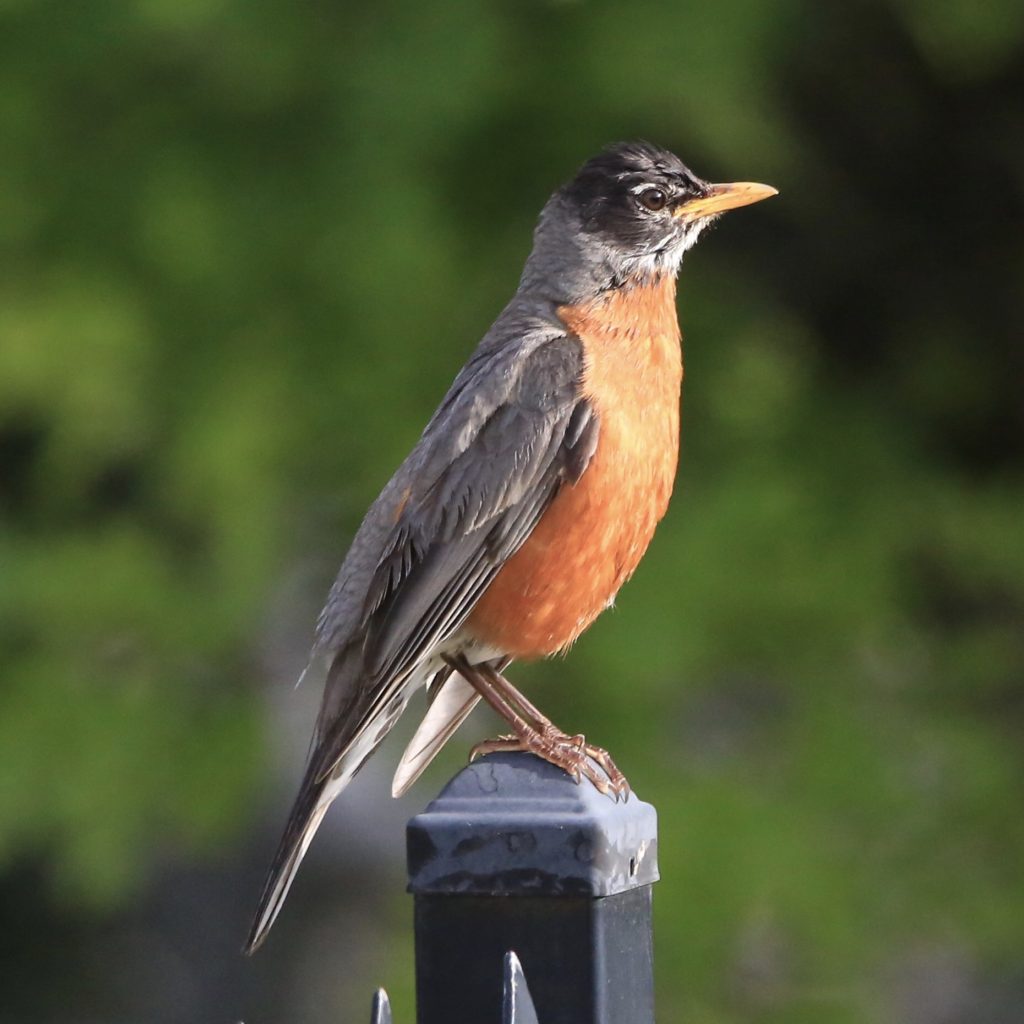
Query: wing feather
<point x="461" y="520"/>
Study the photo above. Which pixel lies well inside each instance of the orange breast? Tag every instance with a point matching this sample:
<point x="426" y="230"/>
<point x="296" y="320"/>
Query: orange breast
<point x="595" y="532"/>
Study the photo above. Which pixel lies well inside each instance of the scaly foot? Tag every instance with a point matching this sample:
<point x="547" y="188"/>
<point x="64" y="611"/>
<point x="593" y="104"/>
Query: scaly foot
<point x="576" y="757"/>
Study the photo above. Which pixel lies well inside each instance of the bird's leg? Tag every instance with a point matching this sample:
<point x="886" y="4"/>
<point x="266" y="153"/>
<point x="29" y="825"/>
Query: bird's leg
<point x="526" y="732"/>
<point x="536" y="733"/>
<point x="616" y="781"/>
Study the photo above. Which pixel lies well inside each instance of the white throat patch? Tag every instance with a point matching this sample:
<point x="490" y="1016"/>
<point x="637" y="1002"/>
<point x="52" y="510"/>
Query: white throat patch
<point x="669" y="258"/>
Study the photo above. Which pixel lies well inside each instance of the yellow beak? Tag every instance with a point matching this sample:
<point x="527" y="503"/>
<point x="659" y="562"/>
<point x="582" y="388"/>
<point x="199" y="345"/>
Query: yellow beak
<point x="724" y="197"/>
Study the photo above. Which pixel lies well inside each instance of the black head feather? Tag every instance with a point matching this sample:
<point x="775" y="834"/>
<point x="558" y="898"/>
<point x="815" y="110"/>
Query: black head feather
<point x="610" y="188"/>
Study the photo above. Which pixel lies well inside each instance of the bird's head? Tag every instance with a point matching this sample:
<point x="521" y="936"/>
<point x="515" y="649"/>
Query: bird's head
<point x="631" y="212"/>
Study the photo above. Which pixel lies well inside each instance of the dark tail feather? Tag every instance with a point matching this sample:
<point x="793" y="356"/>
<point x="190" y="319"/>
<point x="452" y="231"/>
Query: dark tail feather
<point x="316" y="794"/>
<point x="305" y="818"/>
<point x="326" y="776"/>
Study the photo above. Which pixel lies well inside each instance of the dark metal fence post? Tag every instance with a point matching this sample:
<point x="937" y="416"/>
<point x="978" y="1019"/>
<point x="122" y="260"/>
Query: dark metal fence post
<point x="514" y="856"/>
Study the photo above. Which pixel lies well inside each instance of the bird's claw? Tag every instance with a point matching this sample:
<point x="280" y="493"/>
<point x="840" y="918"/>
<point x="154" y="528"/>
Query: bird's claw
<point x="577" y="758"/>
<point x="498" y="745"/>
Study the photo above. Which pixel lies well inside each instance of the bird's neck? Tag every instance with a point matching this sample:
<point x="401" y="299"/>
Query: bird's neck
<point x="564" y="267"/>
<point x="639" y="315"/>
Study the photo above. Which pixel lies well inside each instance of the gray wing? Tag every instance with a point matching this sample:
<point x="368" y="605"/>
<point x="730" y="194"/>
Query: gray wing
<point x="513" y="429"/>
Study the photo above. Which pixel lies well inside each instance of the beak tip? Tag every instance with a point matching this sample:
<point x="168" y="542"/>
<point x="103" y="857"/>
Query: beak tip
<point x="754" y="191"/>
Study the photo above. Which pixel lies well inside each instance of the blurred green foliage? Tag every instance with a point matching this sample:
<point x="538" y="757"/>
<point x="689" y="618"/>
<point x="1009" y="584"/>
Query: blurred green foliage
<point x="245" y="248"/>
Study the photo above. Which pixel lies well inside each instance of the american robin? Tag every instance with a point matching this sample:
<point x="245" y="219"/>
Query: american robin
<point x="527" y="502"/>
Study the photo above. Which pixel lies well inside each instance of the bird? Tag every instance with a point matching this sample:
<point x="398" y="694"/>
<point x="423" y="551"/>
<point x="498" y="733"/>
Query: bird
<point x="529" y="499"/>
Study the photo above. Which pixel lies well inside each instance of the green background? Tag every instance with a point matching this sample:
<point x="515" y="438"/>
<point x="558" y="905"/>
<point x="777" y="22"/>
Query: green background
<point x="244" y="247"/>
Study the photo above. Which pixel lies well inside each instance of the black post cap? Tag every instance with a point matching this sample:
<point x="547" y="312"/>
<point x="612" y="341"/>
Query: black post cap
<point x="514" y="825"/>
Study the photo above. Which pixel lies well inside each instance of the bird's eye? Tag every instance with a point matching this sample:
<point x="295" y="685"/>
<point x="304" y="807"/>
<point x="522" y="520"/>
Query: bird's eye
<point x="653" y="198"/>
